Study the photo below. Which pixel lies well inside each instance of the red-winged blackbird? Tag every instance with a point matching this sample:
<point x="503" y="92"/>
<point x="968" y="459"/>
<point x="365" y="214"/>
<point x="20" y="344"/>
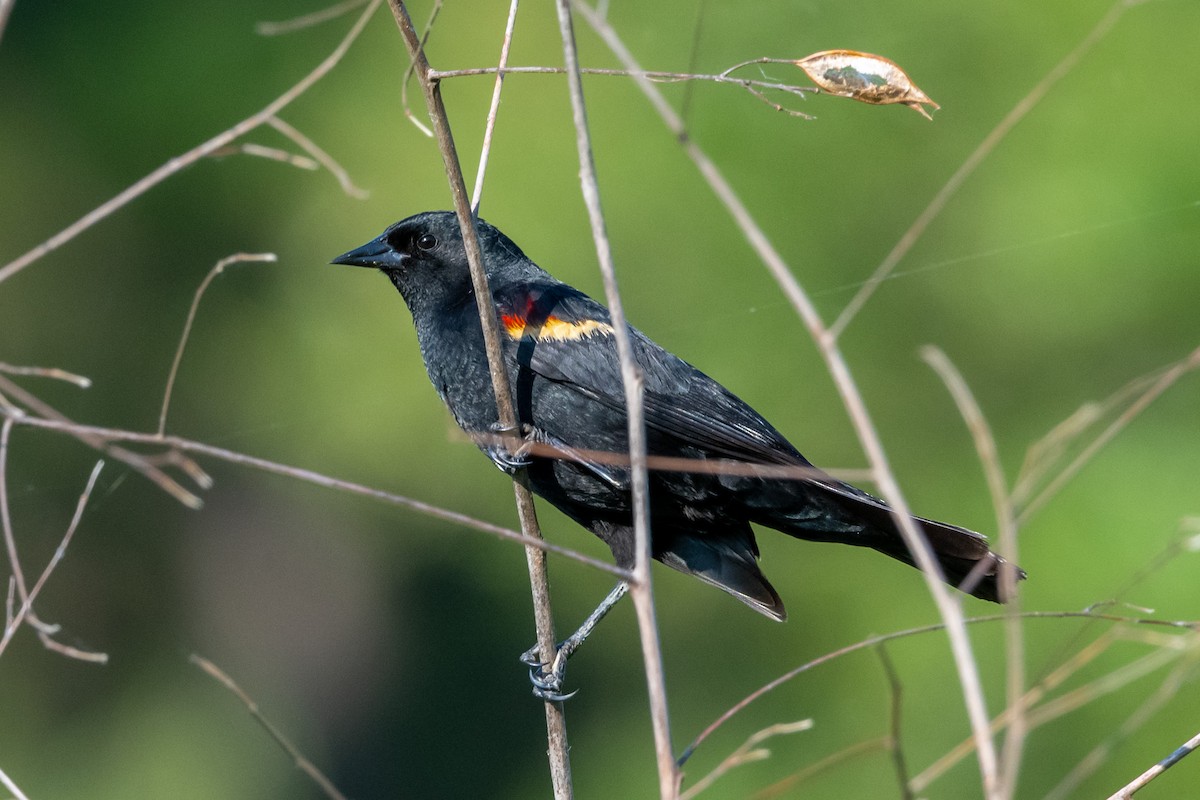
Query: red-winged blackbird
<point x="562" y="364"/>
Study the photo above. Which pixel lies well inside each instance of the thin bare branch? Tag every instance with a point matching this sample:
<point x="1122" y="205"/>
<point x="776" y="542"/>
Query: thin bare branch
<point x="307" y="20"/>
<point x="556" y="727"/>
<point x="895" y="732"/>
<point x="309" y="476"/>
<point x="302" y="763"/>
<point x="1038" y="715"/>
<point x="757" y="88"/>
<point x="136" y="461"/>
<point x="320" y="156"/>
<point x="10" y="542"/>
<point x="747" y="753"/>
<point x="408" y="73"/>
<point x="641" y="590"/>
<point x="490" y="127"/>
<point x="6" y="781"/>
<point x="977" y="157"/>
<point x="236" y="258"/>
<point x="270" y="153"/>
<point x="700" y="466"/>
<point x="873" y="641"/>
<point x="1186" y="749"/>
<point x="140" y="187"/>
<point x="1167" y="690"/>
<point x="26" y="609"/>
<point x="53" y="373"/>
<point x="6" y="7"/>
<point x="784" y="787"/>
<point x="989" y="459"/>
<point x="1166" y="381"/>
<point x="948" y="607"/>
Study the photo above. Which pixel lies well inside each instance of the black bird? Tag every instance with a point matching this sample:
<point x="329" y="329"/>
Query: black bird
<point x="562" y="363"/>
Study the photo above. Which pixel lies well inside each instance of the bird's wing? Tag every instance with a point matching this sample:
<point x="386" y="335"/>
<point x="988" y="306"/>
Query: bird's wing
<point x="565" y="336"/>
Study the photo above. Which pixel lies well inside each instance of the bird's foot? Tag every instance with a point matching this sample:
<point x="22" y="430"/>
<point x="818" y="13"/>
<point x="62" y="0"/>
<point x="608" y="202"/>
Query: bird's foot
<point x="506" y="459"/>
<point x="547" y="679"/>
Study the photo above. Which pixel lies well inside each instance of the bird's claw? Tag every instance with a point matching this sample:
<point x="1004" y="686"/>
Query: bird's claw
<point x="509" y="461"/>
<point x="548" y="685"/>
<point x="547" y="679"/>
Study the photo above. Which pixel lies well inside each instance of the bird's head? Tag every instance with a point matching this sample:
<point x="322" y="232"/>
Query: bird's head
<point x="425" y="258"/>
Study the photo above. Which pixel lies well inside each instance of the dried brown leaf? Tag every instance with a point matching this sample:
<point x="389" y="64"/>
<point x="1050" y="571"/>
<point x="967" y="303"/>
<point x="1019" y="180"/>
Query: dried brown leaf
<point x="864" y="77"/>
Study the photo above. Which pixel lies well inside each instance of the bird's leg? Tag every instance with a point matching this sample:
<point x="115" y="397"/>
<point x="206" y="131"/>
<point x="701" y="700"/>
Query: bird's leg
<point x="547" y="683"/>
<point x="509" y="461"/>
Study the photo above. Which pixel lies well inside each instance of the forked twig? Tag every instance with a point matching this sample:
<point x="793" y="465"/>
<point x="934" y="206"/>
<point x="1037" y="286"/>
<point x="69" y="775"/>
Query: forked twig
<point x="26" y="610"/>
<point x="1164" y="382"/>
<point x="747" y="753"/>
<point x="146" y="465"/>
<point x="178" y="163"/>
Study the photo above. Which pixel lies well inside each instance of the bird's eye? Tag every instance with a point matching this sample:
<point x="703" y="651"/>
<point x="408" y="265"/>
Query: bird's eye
<point x="426" y="241"/>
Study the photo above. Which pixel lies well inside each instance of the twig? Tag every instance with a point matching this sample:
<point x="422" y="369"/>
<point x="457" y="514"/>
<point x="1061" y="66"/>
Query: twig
<point x="747" y="753"/>
<point x="48" y="372"/>
<point x="699" y="466"/>
<point x="486" y="149"/>
<point x="309" y="476"/>
<point x="178" y="163"/>
<point x="1137" y="407"/>
<point x="989" y="459"/>
<point x="918" y="546"/>
<point x="408" y="73"/>
<point x="6" y="781"/>
<point x="641" y="590"/>
<point x="1062" y="705"/>
<point x="236" y="258"/>
<point x="26" y="608"/>
<point x="302" y="763"/>
<point x="307" y="20"/>
<point x="789" y="783"/>
<point x="143" y="464"/>
<point x="873" y="641"/>
<point x="1140" y="781"/>
<point x="6" y="7"/>
<point x="965" y="170"/>
<point x="556" y="727"/>
<point x="1099" y="755"/>
<point x="269" y="153"/>
<point x="895" y="737"/>
<point x="321" y="157"/>
<point x="754" y="87"/>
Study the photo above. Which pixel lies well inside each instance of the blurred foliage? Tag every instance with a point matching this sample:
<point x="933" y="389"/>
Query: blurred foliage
<point x="384" y="643"/>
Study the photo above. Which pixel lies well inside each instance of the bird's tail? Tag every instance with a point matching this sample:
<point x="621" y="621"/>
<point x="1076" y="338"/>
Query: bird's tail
<point x="851" y="516"/>
<point x="964" y="556"/>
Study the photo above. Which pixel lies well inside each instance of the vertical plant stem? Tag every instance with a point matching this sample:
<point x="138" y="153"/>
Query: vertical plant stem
<point x="486" y="149"/>
<point x="640" y="588"/>
<point x="556" y="727"/>
<point x="1006" y="528"/>
<point x="949" y="608"/>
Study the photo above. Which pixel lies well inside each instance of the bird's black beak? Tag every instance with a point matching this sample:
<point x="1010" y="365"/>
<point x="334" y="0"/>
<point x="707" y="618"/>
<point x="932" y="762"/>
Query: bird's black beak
<point x="375" y="253"/>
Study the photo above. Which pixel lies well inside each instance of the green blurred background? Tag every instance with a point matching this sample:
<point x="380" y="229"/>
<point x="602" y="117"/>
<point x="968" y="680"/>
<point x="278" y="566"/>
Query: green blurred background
<point x="383" y="642"/>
